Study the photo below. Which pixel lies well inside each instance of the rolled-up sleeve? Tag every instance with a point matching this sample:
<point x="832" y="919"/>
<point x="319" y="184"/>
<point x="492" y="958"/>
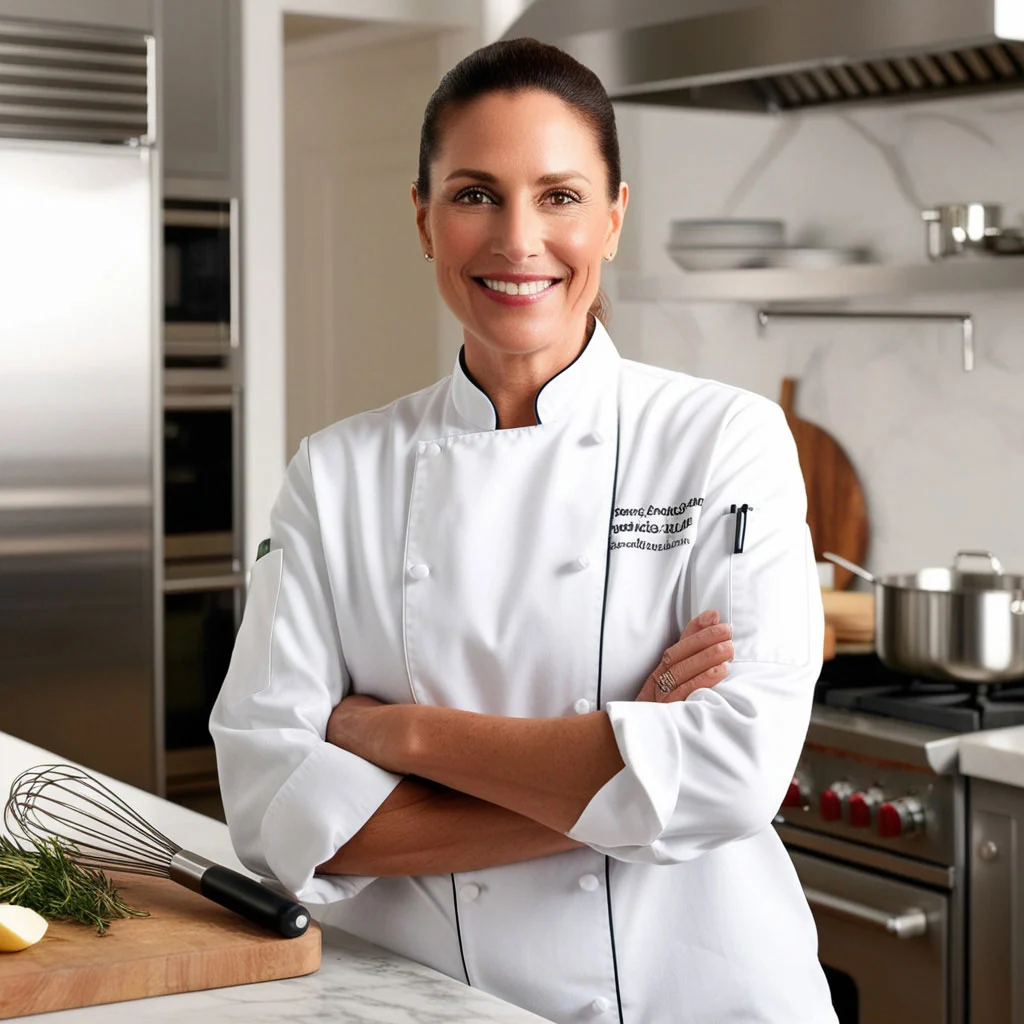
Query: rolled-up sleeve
<point x="291" y="799"/>
<point x="714" y="768"/>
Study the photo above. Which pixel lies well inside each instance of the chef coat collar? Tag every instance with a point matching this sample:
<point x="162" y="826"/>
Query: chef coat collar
<point x="574" y="385"/>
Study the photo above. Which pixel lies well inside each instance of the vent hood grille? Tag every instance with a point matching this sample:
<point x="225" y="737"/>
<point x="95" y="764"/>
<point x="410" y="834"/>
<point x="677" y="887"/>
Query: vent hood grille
<point x="912" y="77"/>
<point x="793" y="54"/>
<point x="79" y="85"/>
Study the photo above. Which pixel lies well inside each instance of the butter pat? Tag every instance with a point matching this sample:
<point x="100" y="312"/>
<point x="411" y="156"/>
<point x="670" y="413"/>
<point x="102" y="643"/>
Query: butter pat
<point x="19" y="928"/>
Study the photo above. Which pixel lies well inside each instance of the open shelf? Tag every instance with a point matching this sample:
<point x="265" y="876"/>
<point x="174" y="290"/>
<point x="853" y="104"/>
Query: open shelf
<point x="849" y="282"/>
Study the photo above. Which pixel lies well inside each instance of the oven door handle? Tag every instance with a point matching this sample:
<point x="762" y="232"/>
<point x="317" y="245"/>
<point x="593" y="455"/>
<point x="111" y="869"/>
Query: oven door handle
<point x="911" y="924"/>
<point x="197" y="584"/>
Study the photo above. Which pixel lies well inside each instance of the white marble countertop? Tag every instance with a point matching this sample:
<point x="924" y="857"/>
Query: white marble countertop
<point x="358" y="983"/>
<point x="996" y="754"/>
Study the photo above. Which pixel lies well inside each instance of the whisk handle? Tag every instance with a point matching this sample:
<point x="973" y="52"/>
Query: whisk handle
<point x="249" y="898"/>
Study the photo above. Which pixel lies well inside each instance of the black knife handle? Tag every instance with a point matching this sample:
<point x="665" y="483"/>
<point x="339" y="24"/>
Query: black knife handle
<point x="258" y="903"/>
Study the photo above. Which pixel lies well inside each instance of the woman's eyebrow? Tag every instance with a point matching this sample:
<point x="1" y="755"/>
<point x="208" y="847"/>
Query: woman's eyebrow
<point x="555" y="178"/>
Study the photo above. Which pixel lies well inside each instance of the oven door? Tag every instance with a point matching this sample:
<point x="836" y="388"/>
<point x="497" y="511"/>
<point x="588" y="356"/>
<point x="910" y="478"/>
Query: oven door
<point x="884" y="943"/>
<point x="202" y="612"/>
<point x="201" y="296"/>
<point x="201" y="475"/>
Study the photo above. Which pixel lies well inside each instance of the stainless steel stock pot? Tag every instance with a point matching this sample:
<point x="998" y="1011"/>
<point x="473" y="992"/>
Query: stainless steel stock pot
<point x="957" y="623"/>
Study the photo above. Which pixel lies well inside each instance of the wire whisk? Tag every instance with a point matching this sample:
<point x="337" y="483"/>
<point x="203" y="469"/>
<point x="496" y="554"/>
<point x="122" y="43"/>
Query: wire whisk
<point x="101" y="830"/>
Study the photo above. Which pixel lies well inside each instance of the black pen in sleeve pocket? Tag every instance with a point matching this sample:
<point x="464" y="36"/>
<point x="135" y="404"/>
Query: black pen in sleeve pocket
<point x="740" y="511"/>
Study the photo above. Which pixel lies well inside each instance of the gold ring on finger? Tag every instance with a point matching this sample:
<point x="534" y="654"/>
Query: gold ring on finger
<point x="665" y="682"/>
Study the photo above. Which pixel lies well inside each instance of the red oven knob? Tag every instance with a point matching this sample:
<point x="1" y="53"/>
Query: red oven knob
<point x="861" y="808"/>
<point x="796" y="795"/>
<point x="901" y="817"/>
<point x="832" y="800"/>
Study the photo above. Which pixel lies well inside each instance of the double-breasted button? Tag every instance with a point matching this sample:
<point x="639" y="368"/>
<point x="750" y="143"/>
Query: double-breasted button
<point x="589" y="883"/>
<point x="594" y="437"/>
<point x="582" y="706"/>
<point x="419" y="572"/>
<point x="433" y="448"/>
<point x="601" y="1005"/>
<point x="582" y="562"/>
<point x="470" y="891"/>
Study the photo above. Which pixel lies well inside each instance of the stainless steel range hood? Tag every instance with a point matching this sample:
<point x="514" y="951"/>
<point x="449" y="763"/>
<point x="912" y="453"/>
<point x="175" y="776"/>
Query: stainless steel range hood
<point x="791" y="54"/>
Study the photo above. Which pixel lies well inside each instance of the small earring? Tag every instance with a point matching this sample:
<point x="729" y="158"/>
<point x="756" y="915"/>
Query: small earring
<point x="428" y="257"/>
<point x="609" y="257"/>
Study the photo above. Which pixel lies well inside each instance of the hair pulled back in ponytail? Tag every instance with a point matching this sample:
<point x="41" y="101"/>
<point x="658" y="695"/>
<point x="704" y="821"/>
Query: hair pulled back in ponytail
<point x="514" y="65"/>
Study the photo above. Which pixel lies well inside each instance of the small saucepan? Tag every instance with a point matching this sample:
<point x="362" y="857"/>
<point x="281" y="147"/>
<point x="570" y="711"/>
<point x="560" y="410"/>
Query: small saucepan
<point x="950" y="623"/>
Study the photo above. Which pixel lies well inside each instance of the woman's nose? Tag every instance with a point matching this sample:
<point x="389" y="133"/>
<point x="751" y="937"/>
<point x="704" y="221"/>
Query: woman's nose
<point x="518" y="232"/>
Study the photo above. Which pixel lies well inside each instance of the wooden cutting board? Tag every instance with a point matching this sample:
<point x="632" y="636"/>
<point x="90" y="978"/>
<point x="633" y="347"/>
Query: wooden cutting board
<point x="186" y="944"/>
<point x="836" y="511"/>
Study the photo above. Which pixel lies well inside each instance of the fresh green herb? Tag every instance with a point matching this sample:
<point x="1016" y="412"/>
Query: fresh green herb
<point x="46" y="879"/>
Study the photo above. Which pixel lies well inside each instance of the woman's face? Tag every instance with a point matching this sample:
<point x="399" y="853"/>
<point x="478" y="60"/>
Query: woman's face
<point x="519" y="200"/>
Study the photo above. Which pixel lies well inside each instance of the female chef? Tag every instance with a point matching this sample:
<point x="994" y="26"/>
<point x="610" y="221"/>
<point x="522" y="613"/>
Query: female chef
<point x="431" y="718"/>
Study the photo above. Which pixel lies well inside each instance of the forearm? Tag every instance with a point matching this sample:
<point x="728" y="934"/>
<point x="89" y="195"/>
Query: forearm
<point x="424" y="829"/>
<point x="547" y="769"/>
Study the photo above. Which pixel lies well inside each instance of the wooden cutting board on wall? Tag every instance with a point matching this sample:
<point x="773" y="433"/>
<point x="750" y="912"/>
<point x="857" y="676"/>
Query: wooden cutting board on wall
<point x="186" y="944"/>
<point x="836" y="510"/>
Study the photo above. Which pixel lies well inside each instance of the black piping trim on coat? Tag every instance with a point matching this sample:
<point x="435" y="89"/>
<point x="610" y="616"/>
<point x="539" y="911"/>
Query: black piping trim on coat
<point x="600" y="671"/>
<point x="472" y="380"/>
<point x="536" y="398"/>
<point x="458" y="931"/>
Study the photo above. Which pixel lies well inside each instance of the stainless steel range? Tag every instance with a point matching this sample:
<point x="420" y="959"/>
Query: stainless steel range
<point x="876" y="823"/>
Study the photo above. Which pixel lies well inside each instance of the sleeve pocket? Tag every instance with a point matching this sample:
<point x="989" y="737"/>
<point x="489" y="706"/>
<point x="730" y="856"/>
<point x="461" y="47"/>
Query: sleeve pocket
<point x="770" y="597"/>
<point x="250" y="669"/>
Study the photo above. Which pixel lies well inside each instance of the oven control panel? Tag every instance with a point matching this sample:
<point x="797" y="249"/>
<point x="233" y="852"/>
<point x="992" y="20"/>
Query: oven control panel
<point x="901" y="808"/>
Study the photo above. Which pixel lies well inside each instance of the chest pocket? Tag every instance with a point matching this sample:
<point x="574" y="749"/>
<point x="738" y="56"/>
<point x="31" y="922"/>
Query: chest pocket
<point x="762" y="590"/>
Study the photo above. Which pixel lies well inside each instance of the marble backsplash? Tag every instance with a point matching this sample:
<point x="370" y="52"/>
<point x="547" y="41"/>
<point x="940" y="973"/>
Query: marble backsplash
<point x="940" y="452"/>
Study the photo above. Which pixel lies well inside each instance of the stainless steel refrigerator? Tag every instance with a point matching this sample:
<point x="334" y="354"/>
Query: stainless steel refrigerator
<point x="80" y="410"/>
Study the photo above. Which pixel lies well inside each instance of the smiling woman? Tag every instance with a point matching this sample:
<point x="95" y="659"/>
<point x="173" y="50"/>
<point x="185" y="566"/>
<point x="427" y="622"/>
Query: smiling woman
<point x="505" y="697"/>
<point x="518" y="204"/>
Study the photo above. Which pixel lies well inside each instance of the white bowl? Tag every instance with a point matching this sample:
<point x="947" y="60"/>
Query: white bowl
<point x="720" y="257"/>
<point x="733" y="232"/>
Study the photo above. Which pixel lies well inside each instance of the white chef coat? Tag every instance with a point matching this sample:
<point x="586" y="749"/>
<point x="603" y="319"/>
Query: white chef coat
<point x="420" y="554"/>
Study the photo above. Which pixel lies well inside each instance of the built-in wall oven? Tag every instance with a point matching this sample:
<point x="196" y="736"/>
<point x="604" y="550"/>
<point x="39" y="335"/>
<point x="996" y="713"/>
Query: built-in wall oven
<point x="201" y="479"/>
<point x="204" y="585"/>
<point x="201" y="291"/>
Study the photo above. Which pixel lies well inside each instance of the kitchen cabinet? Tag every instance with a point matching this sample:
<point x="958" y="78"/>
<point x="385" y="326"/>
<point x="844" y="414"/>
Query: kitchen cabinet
<point x="201" y="78"/>
<point x="996" y="936"/>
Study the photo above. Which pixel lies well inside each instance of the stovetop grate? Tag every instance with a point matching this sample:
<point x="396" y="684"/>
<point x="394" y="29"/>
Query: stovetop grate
<point x="862" y="683"/>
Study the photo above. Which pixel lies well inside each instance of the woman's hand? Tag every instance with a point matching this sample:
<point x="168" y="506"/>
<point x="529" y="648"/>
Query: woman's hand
<point x="699" y="659"/>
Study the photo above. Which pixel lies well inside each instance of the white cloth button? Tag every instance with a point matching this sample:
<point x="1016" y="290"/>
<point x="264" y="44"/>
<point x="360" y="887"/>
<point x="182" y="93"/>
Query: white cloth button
<point x="582" y="706"/>
<point x="589" y="883"/>
<point x="419" y="572"/>
<point x="432" y="449"/>
<point x="596" y="437"/>
<point x="470" y="892"/>
<point x="601" y="1005"/>
<point x="582" y="562"/>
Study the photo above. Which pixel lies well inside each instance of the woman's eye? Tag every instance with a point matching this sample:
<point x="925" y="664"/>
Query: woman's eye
<point x="473" y="196"/>
<point x="564" y="198"/>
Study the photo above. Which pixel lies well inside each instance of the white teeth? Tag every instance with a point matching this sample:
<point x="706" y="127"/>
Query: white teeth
<point x="511" y="288"/>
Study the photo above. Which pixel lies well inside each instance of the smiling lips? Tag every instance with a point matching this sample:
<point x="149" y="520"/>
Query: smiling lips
<point x="517" y="291"/>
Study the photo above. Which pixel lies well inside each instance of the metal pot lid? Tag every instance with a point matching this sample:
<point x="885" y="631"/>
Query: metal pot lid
<point x="945" y="580"/>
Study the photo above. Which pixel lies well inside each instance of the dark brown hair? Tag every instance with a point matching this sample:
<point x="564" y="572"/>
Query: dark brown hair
<point x="514" y="65"/>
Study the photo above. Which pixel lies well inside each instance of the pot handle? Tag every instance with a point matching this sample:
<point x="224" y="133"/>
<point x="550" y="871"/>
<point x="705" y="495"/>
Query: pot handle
<point x="994" y="563"/>
<point x="849" y="566"/>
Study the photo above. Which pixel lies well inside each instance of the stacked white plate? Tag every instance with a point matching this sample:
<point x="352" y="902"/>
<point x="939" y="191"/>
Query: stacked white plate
<point x="734" y="244"/>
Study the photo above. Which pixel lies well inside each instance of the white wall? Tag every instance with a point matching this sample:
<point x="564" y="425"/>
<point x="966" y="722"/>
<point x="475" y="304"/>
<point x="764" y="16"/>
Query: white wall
<point x="939" y="452"/>
<point x="360" y="299"/>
